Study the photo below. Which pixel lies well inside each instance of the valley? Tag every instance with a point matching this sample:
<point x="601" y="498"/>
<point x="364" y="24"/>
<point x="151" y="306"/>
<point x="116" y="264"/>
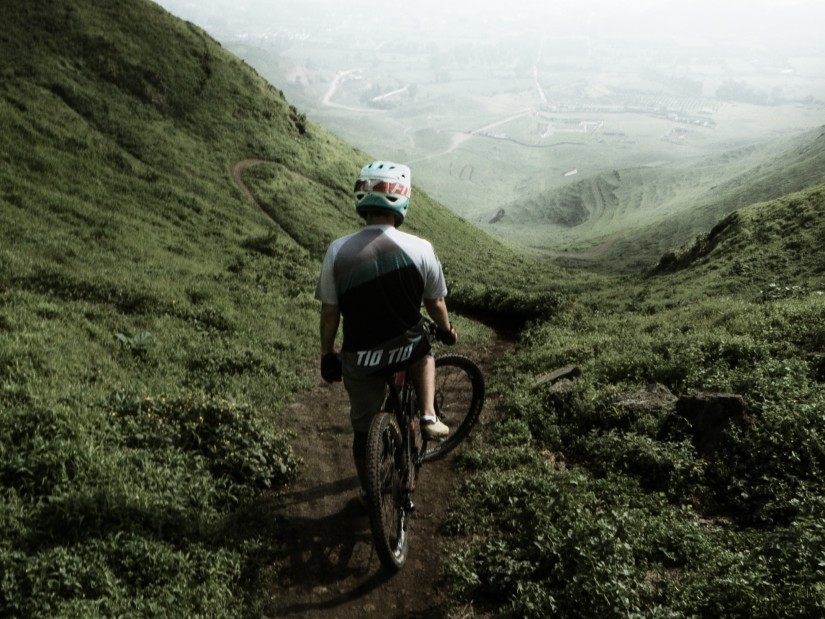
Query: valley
<point x="504" y="117"/>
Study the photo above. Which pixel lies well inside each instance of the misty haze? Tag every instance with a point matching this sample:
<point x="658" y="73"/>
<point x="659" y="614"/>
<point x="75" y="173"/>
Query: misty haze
<point x="565" y="128"/>
<point x="628" y="204"/>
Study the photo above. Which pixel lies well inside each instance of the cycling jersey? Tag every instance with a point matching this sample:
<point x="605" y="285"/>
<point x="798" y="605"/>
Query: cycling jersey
<point x="378" y="278"/>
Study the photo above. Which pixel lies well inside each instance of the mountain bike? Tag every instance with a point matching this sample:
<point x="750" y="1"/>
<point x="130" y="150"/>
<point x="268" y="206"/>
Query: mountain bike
<point x="396" y="448"/>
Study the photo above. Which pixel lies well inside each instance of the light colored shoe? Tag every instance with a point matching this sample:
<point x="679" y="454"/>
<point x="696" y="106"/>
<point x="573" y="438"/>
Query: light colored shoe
<point x="434" y="428"/>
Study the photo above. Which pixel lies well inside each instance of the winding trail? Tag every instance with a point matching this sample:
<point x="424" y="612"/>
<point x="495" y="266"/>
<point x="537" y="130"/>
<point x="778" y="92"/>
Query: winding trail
<point x="326" y="564"/>
<point x="339" y="78"/>
<point x="237" y="177"/>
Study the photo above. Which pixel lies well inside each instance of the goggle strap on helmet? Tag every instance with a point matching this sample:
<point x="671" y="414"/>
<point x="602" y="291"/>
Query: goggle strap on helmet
<point x="383" y="184"/>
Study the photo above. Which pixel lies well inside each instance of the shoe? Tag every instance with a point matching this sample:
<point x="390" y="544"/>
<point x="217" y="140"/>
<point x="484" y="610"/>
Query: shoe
<point x="434" y="428"/>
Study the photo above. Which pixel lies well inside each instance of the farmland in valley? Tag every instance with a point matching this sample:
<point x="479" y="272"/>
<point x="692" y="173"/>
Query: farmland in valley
<point x="556" y="133"/>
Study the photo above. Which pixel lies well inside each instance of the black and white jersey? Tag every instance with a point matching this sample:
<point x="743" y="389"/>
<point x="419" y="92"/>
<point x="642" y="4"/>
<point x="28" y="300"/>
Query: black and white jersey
<point x="378" y="277"/>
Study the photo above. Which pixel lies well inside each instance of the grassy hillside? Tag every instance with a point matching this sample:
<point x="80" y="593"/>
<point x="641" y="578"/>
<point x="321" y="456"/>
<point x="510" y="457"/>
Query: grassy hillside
<point x="153" y="323"/>
<point x="602" y="496"/>
<point x="632" y="216"/>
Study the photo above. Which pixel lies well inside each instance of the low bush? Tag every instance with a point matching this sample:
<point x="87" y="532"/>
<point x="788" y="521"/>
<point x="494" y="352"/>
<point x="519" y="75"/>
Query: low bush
<point x="596" y="498"/>
<point x="233" y="443"/>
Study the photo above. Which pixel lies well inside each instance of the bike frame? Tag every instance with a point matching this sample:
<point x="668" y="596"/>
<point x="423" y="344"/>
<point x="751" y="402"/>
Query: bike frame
<point x="397" y="448"/>
<point x="401" y="400"/>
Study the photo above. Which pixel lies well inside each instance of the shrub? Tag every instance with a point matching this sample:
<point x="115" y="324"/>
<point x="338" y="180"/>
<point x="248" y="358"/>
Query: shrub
<point x="236" y="444"/>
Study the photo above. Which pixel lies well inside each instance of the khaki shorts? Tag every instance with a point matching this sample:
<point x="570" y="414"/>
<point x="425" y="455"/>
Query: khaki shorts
<point x="366" y="398"/>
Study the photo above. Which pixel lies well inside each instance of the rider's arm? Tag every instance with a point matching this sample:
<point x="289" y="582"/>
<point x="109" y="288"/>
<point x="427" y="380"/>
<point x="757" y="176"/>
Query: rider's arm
<point x="330" y="317"/>
<point x="437" y="310"/>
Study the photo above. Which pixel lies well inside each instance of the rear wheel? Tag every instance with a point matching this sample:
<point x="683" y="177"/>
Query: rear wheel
<point x="459" y="397"/>
<point x="385" y="480"/>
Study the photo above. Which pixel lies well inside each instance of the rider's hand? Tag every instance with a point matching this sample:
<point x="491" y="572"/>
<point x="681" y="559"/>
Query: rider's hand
<point x="447" y="337"/>
<point x="331" y="368"/>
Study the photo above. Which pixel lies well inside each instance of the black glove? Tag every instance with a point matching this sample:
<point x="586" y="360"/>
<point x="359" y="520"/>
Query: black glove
<point x="331" y="368"/>
<point x="446" y="337"/>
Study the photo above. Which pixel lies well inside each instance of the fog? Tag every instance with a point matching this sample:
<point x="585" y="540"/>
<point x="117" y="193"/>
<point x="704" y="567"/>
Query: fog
<point x="791" y="27"/>
<point x="491" y="102"/>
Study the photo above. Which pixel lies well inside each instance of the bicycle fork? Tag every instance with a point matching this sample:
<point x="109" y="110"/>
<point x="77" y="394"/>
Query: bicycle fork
<point x="412" y="454"/>
<point x="411" y="464"/>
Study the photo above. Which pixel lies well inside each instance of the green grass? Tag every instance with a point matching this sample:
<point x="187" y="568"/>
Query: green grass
<point x="154" y="325"/>
<point x="629" y="510"/>
<point x="132" y="273"/>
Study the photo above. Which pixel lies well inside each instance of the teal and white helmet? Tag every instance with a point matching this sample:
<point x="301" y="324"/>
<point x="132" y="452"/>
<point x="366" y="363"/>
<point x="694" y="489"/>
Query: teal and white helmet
<point x="384" y="185"/>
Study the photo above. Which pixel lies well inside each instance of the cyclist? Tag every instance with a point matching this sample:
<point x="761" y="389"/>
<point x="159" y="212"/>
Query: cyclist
<point x="376" y="280"/>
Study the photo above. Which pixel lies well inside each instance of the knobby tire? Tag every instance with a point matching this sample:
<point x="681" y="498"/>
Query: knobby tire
<point x="459" y="397"/>
<point x="385" y="471"/>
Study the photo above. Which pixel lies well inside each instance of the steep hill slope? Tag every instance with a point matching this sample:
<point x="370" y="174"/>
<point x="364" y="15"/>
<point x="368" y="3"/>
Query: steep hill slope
<point x="637" y="214"/>
<point x="775" y="244"/>
<point x="679" y="471"/>
<point x="153" y="322"/>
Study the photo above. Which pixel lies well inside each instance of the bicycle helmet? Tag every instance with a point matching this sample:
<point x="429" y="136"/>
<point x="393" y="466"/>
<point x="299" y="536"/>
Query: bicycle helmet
<point x="384" y="185"/>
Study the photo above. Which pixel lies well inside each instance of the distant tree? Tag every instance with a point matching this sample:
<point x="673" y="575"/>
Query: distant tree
<point x="732" y="90"/>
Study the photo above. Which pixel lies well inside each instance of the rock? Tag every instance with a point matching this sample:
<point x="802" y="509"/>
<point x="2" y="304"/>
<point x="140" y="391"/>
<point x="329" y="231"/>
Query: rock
<point x="655" y="397"/>
<point x="566" y="373"/>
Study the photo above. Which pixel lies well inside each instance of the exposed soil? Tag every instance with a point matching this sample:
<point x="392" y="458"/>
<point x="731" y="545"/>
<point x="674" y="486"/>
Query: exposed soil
<point x="328" y="566"/>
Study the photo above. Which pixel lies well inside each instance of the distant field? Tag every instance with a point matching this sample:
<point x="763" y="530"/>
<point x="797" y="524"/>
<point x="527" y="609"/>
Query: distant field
<point x="559" y="145"/>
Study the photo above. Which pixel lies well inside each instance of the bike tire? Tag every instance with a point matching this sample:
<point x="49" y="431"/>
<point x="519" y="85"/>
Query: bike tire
<point x="385" y="497"/>
<point x="459" y="398"/>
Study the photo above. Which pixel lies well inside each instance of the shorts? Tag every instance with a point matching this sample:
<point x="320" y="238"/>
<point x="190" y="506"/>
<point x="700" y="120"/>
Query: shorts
<point x="397" y="352"/>
<point x="366" y="397"/>
<point x="366" y="381"/>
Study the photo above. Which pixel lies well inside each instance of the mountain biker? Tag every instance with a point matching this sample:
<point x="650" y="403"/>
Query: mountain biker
<point x="376" y="280"/>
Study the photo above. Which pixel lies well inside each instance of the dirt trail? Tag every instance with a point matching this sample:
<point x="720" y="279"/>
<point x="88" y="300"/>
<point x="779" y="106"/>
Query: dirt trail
<point x="237" y="177"/>
<point x="328" y="567"/>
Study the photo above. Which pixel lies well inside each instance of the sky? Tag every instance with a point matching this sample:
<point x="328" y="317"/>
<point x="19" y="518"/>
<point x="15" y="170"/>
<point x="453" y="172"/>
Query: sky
<point x="789" y="26"/>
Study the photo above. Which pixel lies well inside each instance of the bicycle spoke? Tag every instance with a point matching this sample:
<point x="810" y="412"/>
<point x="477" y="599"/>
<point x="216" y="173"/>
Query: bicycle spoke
<point x="384" y="489"/>
<point x="458" y="401"/>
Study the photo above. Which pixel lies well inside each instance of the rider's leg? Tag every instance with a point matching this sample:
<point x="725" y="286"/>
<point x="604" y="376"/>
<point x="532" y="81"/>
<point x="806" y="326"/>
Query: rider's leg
<point x="423" y="375"/>
<point x="366" y="398"/>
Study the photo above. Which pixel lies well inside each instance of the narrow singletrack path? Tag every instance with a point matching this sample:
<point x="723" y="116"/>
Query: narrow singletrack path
<point x="326" y="566"/>
<point x="237" y="176"/>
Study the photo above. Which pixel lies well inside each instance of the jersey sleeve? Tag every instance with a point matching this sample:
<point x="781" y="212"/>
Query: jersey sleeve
<point x="326" y="291"/>
<point x="434" y="285"/>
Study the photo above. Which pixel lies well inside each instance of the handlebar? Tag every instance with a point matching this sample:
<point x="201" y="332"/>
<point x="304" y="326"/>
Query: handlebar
<point x="442" y="335"/>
